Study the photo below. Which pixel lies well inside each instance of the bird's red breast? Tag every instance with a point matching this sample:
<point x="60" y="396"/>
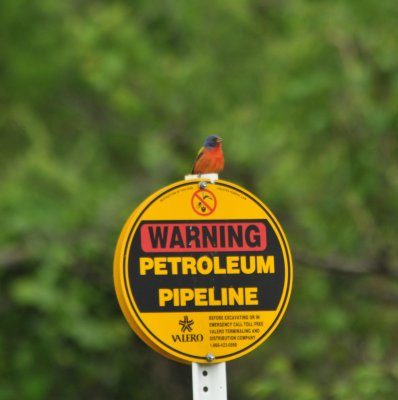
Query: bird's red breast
<point x="209" y="160"/>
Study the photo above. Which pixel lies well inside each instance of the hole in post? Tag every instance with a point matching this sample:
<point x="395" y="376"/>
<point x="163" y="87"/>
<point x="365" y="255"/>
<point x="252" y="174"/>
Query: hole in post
<point x="204" y="373"/>
<point x="205" y="389"/>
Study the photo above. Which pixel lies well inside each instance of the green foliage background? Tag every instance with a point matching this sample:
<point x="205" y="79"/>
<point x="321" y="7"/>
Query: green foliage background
<point x="104" y="102"/>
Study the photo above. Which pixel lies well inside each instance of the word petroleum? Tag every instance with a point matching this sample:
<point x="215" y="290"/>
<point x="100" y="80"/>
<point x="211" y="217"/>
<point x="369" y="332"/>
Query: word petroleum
<point x="187" y="265"/>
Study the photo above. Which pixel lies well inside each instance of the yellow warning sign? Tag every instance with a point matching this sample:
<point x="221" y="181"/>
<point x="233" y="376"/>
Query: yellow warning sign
<point x="202" y="271"/>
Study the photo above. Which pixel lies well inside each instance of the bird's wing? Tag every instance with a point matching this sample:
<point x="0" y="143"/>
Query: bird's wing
<point x="200" y="153"/>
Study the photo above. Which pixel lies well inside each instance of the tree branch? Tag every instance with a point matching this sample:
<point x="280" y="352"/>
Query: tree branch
<point x="12" y="257"/>
<point x="379" y="265"/>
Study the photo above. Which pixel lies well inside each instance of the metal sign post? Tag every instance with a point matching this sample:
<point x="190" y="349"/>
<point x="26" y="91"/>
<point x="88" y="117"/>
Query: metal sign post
<point x="209" y="381"/>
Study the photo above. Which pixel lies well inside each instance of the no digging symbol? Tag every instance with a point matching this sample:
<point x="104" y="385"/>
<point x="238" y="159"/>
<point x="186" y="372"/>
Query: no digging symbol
<point x="204" y="202"/>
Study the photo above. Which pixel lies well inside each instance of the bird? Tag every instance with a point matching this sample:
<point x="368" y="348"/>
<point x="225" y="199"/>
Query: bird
<point x="210" y="158"/>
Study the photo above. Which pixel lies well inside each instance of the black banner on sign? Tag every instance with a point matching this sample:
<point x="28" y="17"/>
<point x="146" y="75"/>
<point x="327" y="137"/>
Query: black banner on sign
<point x="232" y="265"/>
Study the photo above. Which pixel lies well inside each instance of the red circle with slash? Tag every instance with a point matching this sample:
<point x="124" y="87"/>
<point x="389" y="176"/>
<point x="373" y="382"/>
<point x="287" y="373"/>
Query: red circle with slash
<point x="204" y="202"/>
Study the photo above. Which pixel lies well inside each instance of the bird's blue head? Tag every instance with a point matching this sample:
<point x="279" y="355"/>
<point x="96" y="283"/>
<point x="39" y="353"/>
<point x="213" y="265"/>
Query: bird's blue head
<point x="212" y="141"/>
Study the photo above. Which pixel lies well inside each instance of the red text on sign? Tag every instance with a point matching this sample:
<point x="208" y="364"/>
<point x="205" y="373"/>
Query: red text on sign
<point x="198" y="237"/>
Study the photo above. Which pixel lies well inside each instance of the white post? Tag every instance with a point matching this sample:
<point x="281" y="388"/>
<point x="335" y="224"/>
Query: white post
<point x="209" y="381"/>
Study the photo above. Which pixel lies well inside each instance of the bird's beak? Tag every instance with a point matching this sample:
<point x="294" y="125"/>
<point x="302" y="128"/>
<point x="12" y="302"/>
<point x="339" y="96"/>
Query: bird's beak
<point x="219" y="140"/>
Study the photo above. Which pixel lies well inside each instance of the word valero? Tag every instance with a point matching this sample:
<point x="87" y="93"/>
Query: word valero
<point x="199" y="236"/>
<point x="187" y="337"/>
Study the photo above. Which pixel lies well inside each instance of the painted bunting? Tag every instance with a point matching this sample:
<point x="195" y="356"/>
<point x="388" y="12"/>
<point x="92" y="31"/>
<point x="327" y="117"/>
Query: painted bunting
<point x="210" y="157"/>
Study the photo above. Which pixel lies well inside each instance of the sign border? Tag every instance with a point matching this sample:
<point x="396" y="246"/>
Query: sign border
<point x="135" y="319"/>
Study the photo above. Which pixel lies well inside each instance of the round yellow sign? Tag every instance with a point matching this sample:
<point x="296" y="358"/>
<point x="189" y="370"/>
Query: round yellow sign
<point x="203" y="271"/>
